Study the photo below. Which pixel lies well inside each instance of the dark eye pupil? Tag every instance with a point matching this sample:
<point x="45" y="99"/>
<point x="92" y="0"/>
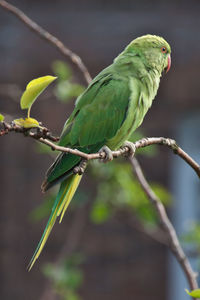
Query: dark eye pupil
<point x="163" y="49"/>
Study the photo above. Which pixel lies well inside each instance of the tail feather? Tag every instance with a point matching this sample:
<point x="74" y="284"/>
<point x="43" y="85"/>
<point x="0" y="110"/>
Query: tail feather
<point x="67" y="190"/>
<point x="71" y="189"/>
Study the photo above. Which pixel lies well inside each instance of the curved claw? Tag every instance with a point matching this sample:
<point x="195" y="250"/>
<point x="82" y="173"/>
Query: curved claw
<point x="80" y="168"/>
<point x="131" y="147"/>
<point x="108" y="152"/>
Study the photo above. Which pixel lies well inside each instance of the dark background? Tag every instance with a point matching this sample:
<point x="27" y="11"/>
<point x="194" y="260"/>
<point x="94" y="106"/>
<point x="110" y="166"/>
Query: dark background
<point x="121" y="263"/>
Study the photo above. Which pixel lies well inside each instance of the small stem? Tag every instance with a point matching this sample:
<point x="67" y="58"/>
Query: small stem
<point x="28" y="113"/>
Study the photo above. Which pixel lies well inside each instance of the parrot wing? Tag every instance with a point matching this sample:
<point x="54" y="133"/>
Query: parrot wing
<point x="98" y="115"/>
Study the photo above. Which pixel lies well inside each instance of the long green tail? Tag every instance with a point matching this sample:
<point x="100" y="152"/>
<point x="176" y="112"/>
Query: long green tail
<point x="67" y="189"/>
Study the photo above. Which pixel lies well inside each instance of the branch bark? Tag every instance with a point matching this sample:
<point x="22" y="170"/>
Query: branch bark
<point x="124" y="150"/>
<point x="174" y="244"/>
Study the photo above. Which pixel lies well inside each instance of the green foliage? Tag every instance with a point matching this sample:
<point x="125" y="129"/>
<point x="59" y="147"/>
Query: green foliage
<point x="1" y="118"/>
<point x="66" y="277"/>
<point x="118" y="189"/>
<point x="65" y="89"/>
<point x="191" y="240"/>
<point x="100" y="212"/>
<point x="194" y="293"/>
<point x="192" y="236"/>
<point x="62" y="70"/>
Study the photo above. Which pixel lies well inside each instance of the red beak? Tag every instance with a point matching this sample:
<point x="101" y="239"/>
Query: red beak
<point x="169" y="63"/>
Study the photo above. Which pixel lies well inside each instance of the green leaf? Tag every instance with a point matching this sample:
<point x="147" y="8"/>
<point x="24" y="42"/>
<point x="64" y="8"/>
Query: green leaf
<point x="194" y="293"/>
<point x="1" y="118"/>
<point x="62" y="70"/>
<point x="66" y="90"/>
<point x="192" y="235"/>
<point x="34" y="89"/>
<point x="100" y="212"/>
<point x="64" y="275"/>
<point x="118" y="189"/>
<point x="27" y="123"/>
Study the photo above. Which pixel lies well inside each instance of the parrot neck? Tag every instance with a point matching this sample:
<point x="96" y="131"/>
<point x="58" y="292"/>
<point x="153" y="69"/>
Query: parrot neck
<point x="150" y="78"/>
<point x="152" y="81"/>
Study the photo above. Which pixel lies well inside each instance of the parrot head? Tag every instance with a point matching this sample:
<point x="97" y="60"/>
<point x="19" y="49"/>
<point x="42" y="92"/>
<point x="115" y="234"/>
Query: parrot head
<point x="154" y="51"/>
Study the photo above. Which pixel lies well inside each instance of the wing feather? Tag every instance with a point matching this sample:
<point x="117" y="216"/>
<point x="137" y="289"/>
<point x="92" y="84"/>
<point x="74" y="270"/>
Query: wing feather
<point x="100" y="120"/>
<point x="99" y="113"/>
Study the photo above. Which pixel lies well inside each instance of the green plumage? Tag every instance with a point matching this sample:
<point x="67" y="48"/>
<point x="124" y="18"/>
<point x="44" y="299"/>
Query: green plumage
<point x="109" y="110"/>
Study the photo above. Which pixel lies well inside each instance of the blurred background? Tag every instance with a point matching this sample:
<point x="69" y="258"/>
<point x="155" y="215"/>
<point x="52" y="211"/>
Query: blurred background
<point x="109" y="245"/>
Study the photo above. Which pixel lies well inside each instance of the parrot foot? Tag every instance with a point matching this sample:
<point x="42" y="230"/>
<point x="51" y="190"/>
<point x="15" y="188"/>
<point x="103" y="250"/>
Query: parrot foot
<point x="80" y="168"/>
<point x="131" y="147"/>
<point x="108" y="154"/>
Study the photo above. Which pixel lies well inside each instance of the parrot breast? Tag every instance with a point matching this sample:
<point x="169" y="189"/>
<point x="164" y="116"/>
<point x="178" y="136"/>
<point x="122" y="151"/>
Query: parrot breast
<point x="143" y="92"/>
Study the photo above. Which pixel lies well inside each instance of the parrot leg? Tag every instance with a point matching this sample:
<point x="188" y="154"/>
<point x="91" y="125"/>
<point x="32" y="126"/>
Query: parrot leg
<point x="131" y="147"/>
<point x="80" y="168"/>
<point x="108" y="152"/>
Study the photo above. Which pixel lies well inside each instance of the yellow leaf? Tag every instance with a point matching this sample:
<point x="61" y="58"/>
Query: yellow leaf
<point x="19" y="122"/>
<point x="33" y="89"/>
<point x="194" y="293"/>
<point x="27" y="123"/>
<point x="1" y="118"/>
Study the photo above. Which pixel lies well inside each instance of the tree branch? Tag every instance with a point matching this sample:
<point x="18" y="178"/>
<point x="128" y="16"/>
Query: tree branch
<point x="48" y="37"/>
<point x="124" y="150"/>
<point x="44" y="136"/>
<point x="174" y="244"/>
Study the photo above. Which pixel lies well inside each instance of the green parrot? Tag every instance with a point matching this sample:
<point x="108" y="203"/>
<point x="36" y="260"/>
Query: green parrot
<point x="105" y="115"/>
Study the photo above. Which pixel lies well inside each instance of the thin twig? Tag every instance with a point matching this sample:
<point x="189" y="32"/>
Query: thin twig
<point x="174" y="244"/>
<point x="48" y="37"/>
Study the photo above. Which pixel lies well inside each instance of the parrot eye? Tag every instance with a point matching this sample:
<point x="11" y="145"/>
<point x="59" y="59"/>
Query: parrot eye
<point x="164" y="49"/>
